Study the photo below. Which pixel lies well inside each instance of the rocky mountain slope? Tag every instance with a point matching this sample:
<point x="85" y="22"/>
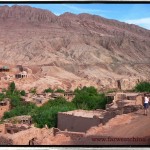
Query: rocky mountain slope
<point x="85" y="45"/>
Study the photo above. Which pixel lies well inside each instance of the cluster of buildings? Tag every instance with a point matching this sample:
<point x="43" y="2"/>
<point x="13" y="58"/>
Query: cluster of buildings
<point x="8" y="74"/>
<point x="4" y="69"/>
<point x="82" y="120"/>
<point x="76" y="123"/>
<point x="40" y="98"/>
<point x="71" y="123"/>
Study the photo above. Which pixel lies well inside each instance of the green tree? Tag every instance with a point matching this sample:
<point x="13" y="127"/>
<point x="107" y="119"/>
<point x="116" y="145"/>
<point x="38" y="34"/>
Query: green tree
<point x="142" y="87"/>
<point x="26" y="109"/>
<point x="88" y="98"/>
<point x="47" y="114"/>
<point x="15" y="100"/>
<point x="2" y="96"/>
<point x="12" y="87"/>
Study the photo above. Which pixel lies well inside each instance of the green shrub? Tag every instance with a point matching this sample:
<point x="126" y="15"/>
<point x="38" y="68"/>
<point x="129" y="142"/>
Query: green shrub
<point x="88" y="98"/>
<point x="142" y="87"/>
<point x="15" y="98"/>
<point x="32" y="90"/>
<point x="23" y="93"/>
<point x="47" y="114"/>
<point x="49" y="90"/>
<point x="25" y="109"/>
<point x="60" y="91"/>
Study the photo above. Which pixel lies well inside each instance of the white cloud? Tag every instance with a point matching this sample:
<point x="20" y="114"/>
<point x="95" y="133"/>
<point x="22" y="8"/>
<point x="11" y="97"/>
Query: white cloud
<point x="144" y="22"/>
<point x="57" y="14"/>
<point x="85" y="10"/>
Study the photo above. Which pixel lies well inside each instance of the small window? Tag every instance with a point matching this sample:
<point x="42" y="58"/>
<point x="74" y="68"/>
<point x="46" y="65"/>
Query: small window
<point x="9" y="131"/>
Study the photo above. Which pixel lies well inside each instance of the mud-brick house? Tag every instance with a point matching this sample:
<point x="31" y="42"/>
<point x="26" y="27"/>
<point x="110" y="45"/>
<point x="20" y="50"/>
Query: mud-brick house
<point x="6" y="77"/>
<point x="132" y="96"/>
<point x="79" y="120"/>
<point x="19" y="67"/>
<point x="125" y="99"/>
<point x="4" y="69"/>
<point x="21" y="75"/>
<point x="38" y="100"/>
<point x="56" y="95"/>
<point x="24" y="119"/>
<point x="4" y="106"/>
<point x="69" y="95"/>
<point x="14" y="128"/>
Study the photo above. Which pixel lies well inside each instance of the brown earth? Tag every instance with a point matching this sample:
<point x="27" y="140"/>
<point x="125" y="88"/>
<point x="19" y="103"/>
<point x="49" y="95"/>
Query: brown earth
<point x="132" y="128"/>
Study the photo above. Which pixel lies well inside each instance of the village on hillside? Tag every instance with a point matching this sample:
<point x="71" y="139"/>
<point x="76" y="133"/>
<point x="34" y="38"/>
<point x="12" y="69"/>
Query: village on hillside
<point x="74" y="74"/>
<point x="71" y="125"/>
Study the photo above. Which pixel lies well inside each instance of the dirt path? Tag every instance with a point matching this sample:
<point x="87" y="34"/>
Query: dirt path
<point x="139" y="127"/>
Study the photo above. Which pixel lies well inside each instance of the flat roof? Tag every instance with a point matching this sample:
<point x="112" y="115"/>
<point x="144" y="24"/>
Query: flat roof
<point x="132" y="94"/>
<point x="110" y="94"/>
<point x="86" y="113"/>
<point x="22" y="117"/>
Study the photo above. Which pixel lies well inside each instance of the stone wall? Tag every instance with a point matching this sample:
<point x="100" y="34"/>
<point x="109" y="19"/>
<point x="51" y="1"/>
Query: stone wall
<point x="76" y="123"/>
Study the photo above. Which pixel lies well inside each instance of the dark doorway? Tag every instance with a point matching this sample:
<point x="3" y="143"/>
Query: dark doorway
<point x="119" y="84"/>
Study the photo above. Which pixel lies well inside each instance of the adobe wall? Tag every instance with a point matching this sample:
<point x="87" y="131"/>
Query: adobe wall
<point x="5" y="141"/>
<point x="2" y="128"/>
<point x="76" y="123"/>
<point x="12" y="128"/>
<point x="127" y="84"/>
<point x="139" y="100"/>
<point x="72" y="135"/>
<point x="109" y="115"/>
<point x="3" y="109"/>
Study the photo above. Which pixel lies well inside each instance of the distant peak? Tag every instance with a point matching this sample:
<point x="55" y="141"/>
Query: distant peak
<point x="68" y="14"/>
<point x="26" y="13"/>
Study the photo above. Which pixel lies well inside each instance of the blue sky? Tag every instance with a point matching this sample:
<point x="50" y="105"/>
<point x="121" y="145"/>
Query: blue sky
<point x="138" y="14"/>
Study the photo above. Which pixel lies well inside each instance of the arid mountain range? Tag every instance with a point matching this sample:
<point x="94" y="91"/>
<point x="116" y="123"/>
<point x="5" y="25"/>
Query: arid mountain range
<point x="73" y="47"/>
